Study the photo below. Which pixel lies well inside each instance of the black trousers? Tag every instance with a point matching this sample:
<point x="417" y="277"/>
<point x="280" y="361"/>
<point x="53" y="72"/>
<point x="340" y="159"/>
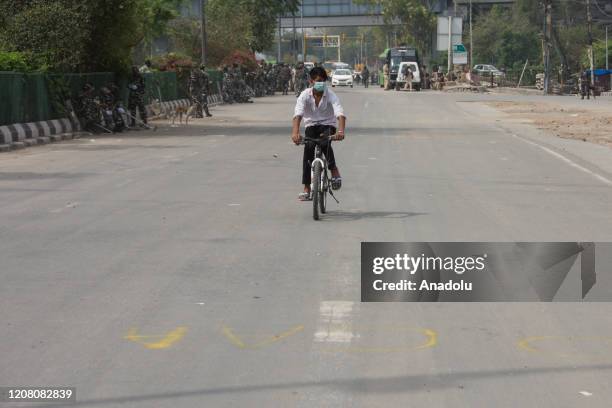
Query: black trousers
<point x="314" y="132"/>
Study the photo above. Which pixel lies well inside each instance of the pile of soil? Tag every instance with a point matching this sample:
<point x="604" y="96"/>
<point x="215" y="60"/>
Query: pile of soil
<point x="570" y="123"/>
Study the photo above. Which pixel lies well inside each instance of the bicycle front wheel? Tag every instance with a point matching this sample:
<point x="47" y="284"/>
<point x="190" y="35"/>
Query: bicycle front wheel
<point x="316" y="189"/>
<point x="323" y="193"/>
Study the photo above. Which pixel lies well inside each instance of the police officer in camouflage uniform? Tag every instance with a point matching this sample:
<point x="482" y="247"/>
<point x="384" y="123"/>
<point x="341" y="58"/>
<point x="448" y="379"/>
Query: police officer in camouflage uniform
<point x="205" y="90"/>
<point x="284" y="78"/>
<point x="136" y="97"/>
<point x="199" y="88"/>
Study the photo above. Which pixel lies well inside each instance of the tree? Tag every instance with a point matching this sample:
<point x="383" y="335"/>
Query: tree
<point x="39" y="31"/>
<point x="156" y="17"/>
<point x="418" y="22"/>
<point x="82" y="35"/>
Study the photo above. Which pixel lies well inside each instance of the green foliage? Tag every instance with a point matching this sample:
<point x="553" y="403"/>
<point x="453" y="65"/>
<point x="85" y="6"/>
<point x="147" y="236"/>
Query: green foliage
<point x="155" y="16"/>
<point x="52" y="32"/>
<point x="14" y="61"/>
<point x="516" y="47"/>
<point x="185" y="34"/>
<point x="244" y="24"/>
<point x="509" y="36"/>
<point x="94" y="35"/>
<point x="599" y="55"/>
<point x="82" y="35"/>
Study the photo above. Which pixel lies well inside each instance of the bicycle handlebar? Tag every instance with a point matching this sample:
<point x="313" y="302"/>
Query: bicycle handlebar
<point x="324" y="138"/>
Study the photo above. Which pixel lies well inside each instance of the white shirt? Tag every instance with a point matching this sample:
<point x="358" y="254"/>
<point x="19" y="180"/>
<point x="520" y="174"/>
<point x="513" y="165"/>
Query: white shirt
<point x="325" y="114"/>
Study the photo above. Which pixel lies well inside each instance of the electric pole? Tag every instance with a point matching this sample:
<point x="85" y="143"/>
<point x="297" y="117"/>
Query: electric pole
<point x="547" y="40"/>
<point x="590" y="40"/>
<point x="450" y="44"/>
<point x="203" y="30"/>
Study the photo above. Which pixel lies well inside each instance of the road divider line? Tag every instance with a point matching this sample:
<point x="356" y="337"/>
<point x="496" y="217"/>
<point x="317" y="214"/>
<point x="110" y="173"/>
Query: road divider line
<point x="567" y="161"/>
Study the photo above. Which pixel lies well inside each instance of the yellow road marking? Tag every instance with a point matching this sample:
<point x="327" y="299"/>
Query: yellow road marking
<point x="165" y="340"/>
<point x="525" y="343"/>
<point x="237" y="341"/>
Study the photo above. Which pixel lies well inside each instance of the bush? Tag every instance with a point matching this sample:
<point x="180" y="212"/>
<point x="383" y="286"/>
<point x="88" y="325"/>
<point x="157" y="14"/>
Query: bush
<point x="14" y="61"/>
<point x="173" y="62"/>
<point x="51" y="31"/>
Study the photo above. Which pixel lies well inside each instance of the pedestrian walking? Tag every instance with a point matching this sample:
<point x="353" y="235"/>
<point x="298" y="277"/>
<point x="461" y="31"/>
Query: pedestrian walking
<point x="366" y="76"/>
<point x="585" y="86"/>
<point x="409" y="76"/>
<point x="386" y="76"/>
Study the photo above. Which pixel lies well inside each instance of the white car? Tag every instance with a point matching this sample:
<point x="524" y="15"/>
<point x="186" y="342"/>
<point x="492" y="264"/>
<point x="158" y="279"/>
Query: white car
<point x="401" y="76"/>
<point x="342" y="77"/>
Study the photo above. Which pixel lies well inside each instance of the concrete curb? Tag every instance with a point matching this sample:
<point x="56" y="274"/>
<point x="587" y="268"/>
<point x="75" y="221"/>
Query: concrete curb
<point x="20" y="135"/>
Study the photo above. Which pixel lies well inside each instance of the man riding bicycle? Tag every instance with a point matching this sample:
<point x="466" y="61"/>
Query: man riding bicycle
<point x="320" y="108"/>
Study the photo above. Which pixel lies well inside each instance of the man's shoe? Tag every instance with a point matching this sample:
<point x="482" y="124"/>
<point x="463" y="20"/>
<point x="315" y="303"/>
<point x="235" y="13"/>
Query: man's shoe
<point x="336" y="183"/>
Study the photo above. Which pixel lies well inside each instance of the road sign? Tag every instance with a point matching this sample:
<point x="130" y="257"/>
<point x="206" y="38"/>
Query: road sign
<point x="460" y="55"/>
<point x="442" y="43"/>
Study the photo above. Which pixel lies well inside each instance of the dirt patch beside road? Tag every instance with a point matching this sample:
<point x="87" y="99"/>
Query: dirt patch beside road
<point x="589" y="125"/>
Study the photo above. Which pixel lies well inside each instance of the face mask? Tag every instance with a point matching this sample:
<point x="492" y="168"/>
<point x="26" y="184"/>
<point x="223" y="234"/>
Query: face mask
<point x="320" y="86"/>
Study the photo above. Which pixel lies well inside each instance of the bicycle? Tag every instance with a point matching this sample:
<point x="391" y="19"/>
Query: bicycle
<point x="320" y="181"/>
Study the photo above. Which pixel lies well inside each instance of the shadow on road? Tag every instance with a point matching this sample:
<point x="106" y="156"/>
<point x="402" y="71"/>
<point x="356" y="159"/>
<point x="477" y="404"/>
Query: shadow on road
<point x="361" y="215"/>
<point x="395" y="384"/>
<point x="25" y="175"/>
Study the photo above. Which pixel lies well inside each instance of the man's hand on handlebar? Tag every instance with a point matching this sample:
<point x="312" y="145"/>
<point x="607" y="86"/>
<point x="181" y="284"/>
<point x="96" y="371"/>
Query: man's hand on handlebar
<point x="296" y="138"/>
<point x="339" y="135"/>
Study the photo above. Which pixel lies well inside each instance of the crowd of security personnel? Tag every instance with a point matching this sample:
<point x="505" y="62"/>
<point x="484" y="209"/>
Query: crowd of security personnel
<point x="102" y="110"/>
<point x="240" y="84"/>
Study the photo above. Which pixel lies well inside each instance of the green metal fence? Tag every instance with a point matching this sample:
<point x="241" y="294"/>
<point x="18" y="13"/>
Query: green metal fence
<point x="36" y="97"/>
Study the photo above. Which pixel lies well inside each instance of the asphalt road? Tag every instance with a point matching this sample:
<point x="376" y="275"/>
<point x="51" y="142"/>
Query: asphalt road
<point x="177" y="269"/>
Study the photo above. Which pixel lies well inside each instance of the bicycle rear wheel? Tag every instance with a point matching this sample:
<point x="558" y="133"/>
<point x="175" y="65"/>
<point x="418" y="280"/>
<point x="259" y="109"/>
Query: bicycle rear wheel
<point x="316" y="190"/>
